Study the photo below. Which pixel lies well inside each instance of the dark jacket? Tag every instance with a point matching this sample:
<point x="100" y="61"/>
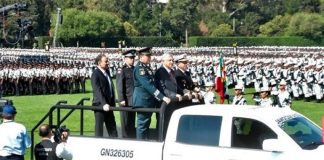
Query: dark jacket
<point x="101" y="89"/>
<point x="125" y="84"/>
<point x="45" y="150"/>
<point x="165" y="82"/>
<point x="184" y="81"/>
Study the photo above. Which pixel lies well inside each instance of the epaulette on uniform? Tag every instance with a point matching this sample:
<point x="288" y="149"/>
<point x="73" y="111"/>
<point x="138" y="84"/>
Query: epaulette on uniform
<point x="141" y="71"/>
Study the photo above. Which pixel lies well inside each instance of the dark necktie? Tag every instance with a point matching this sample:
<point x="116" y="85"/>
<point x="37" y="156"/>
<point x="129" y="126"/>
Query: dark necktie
<point x="109" y="84"/>
<point x="172" y="75"/>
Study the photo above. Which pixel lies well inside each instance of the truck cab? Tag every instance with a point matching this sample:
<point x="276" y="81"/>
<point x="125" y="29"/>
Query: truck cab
<point x="216" y="132"/>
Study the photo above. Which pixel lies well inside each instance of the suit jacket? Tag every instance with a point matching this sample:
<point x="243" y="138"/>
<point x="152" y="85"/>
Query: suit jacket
<point x="125" y="84"/>
<point x="165" y="83"/>
<point x="101" y="89"/>
<point x="184" y="81"/>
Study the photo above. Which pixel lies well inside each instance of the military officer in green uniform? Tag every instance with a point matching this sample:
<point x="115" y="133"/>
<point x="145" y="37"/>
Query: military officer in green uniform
<point x="145" y="92"/>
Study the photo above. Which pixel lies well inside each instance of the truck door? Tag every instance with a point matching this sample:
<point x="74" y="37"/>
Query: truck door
<point x="94" y="148"/>
<point x="246" y="140"/>
<point x="197" y="137"/>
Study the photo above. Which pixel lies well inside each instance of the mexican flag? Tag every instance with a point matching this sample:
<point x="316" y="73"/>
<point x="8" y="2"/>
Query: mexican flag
<point x="220" y="84"/>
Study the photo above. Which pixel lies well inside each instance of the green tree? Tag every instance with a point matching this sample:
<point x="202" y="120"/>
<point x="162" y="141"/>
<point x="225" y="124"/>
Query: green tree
<point x="120" y="7"/>
<point x="89" y="23"/>
<point x="210" y="12"/>
<point x="143" y="18"/>
<point x="13" y="24"/>
<point x="322" y="6"/>
<point x="182" y="15"/>
<point x="310" y="25"/>
<point x="130" y="29"/>
<point x="249" y="26"/>
<point x="66" y="4"/>
<point x="42" y="15"/>
<point x="275" y="27"/>
<point x="223" y="30"/>
<point x="294" y="6"/>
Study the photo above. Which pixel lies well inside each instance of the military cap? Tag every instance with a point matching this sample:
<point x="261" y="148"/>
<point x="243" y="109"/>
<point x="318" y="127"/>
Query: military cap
<point x="264" y="89"/>
<point x="130" y="53"/>
<point x="181" y="58"/>
<point x="283" y="82"/>
<point x="209" y="84"/>
<point x="318" y="66"/>
<point x="238" y="87"/>
<point x="145" y="51"/>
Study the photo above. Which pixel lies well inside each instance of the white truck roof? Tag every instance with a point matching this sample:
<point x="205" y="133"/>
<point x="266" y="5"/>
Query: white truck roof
<point x="237" y="110"/>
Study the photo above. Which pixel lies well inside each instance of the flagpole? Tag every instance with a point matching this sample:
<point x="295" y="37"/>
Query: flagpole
<point x="235" y="52"/>
<point x="219" y="85"/>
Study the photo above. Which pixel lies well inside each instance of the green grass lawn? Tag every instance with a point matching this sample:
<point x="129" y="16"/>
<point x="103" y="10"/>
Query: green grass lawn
<point x="32" y="108"/>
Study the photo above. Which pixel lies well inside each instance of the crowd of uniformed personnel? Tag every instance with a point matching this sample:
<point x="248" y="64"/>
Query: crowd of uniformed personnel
<point x="65" y="70"/>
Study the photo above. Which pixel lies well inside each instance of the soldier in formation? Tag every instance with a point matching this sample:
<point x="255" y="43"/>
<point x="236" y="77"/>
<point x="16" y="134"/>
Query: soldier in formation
<point x="300" y="67"/>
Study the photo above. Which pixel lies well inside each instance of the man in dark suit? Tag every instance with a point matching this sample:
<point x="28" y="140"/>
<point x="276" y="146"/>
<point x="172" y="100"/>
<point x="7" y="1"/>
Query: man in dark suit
<point x="125" y="88"/>
<point x="183" y="77"/>
<point x="145" y="93"/>
<point x="103" y="97"/>
<point x="167" y="84"/>
<point x="165" y="77"/>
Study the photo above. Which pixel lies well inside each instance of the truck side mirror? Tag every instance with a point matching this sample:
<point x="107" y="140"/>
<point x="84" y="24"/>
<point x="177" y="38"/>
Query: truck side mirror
<point x="273" y="145"/>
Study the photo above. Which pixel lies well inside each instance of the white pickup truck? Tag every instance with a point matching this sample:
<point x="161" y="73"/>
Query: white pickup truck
<point x="222" y="132"/>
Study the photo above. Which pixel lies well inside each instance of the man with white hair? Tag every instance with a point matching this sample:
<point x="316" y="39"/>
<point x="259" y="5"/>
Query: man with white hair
<point x="165" y="77"/>
<point x="167" y="84"/>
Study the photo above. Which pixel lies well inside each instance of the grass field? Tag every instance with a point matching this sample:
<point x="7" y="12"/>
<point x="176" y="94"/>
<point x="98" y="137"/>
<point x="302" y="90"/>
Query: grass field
<point x="32" y="108"/>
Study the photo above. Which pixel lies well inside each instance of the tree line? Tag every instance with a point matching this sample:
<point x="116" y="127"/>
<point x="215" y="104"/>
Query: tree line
<point x="216" y="18"/>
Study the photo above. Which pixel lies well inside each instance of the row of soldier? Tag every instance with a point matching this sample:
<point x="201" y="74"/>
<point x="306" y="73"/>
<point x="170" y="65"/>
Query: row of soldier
<point x="41" y="78"/>
<point x="302" y="68"/>
<point x="138" y="86"/>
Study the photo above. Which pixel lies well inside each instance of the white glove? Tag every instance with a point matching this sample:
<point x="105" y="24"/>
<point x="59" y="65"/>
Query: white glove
<point x="195" y="95"/>
<point x="122" y="103"/>
<point x="106" y="107"/>
<point x="179" y="97"/>
<point x="166" y="100"/>
<point x="189" y="95"/>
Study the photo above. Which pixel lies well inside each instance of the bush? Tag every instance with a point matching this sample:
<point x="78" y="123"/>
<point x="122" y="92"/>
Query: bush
<point x="253" y="41"/>
<point x="151" y="42"/>
<point x="112" y="42"/>
<point x="223" y="30"/>
<point x="309" y="25"/>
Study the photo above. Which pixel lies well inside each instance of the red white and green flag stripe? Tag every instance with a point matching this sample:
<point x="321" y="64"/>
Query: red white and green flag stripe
<point x="220" y="84"/>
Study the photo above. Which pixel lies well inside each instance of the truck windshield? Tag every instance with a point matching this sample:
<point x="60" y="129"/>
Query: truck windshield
<point x="302" y="131"/>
